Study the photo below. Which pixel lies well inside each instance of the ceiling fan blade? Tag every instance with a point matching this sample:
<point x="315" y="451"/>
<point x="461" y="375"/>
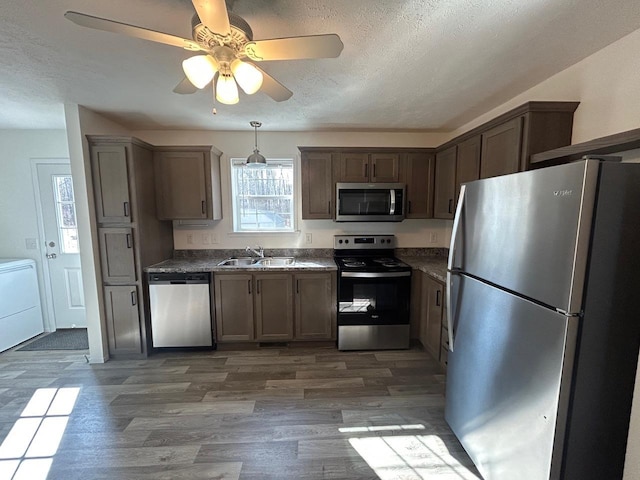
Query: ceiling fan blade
<point x="294" y="48"/>
<point x="185" y="87"/>
<point x="130" y="30"/>
<point x="214" y="15"/>
<point x="274" y="88"/>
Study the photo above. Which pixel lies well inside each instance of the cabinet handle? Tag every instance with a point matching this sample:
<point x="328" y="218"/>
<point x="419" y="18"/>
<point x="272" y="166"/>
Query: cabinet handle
<point x="437" y="298"/>
<point x="366" y="169"/>
<point x="450" y="204"/>
<point x="374" y="170"/>
<point x="249" y="283"/>
<point x="329" y="206"/>
<point x="409" y="205"/>
<point x="126" y="209"/>
<point x="204" y="207"/>
<point x="258" y="287"/>
<point x="128" y="240"/>
<point x="134" y="298"/>
<point x="297" y="286"/>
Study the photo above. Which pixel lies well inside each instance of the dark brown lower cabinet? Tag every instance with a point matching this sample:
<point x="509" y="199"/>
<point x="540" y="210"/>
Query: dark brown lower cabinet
<point x="123" y="320"/>
<point x="315" y="306"/>
<point x="234" y="307"/>
<point x="273" y="306"/>
<point x="432" y="301"/>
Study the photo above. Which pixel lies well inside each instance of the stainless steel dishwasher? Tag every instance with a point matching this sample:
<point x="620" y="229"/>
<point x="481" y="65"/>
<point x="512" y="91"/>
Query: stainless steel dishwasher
<point x="180" y="309"/>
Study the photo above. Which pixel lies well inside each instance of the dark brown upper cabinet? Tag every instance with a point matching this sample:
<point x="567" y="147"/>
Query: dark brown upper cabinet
<point x="188" y="183"/>
<point x="317" y="185"/>
<point x="501" y="149"/>
<point x="419" y="177"/>
<point x="369" y="167"/>
<point x="467" y="162"/>
<point x="445" y="183"/>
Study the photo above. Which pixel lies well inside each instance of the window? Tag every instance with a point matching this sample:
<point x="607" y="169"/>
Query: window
<point x="66" y="214"/>
<point x="262" y="196"/>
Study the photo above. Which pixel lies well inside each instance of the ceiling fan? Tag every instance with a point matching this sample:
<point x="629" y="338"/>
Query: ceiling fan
<point x="229" y="51"/>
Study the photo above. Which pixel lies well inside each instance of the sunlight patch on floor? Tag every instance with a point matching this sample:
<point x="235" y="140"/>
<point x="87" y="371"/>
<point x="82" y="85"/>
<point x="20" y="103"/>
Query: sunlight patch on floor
<point x="410" y="457"/>
<point x="27" y="451"/>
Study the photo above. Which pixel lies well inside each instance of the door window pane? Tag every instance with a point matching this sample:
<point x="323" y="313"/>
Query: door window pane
<point x="66" y="214"/>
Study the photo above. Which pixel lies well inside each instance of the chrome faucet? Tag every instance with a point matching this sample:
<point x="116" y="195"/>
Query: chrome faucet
<point x="259" y="251"/>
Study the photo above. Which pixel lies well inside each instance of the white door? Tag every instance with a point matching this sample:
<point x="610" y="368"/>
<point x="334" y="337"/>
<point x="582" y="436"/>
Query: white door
<point x="61" y="239"/>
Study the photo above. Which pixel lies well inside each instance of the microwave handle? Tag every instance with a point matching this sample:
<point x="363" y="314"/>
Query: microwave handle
<point x="392" y="193"/>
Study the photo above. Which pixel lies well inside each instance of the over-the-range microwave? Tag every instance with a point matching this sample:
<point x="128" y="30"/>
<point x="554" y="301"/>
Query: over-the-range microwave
<point x="370" y="202"/>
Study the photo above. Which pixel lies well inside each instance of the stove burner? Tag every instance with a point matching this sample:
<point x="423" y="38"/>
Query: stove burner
<point x="353" y="262"/>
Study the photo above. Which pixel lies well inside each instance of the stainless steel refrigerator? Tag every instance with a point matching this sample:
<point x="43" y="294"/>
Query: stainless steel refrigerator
<point x="544" y="325"/>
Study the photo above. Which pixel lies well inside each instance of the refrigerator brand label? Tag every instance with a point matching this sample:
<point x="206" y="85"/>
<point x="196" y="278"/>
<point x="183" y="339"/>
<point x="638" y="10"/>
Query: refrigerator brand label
<point x="563" y="193"/>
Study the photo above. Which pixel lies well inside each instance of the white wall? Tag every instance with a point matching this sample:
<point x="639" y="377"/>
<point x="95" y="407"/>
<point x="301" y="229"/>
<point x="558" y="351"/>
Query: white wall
<point x="607" y="85"/>
<point x="80" y="122"/>
<point x="18" y="214"/>
<point x="409" y="233"/>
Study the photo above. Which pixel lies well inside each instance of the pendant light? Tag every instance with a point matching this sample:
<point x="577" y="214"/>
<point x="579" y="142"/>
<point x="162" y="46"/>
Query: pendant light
<point x="256" y="159"/>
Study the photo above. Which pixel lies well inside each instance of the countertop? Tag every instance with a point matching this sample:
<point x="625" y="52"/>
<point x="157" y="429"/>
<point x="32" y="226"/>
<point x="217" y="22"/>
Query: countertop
<point x="190" y="265"/>
<point x="433" y="266"/>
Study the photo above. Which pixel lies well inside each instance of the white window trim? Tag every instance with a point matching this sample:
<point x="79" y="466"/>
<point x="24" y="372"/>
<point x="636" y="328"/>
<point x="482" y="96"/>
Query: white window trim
<point x="294" y="199"/>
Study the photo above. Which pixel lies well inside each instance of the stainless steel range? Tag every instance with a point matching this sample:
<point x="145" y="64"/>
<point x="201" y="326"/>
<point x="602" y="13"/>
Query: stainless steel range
<point x="374" y="291"/>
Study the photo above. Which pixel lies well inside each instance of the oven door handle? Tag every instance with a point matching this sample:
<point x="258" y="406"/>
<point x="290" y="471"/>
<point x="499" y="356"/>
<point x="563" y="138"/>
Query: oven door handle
<point x="392" y="193"/>
<point x="374" y="274"/>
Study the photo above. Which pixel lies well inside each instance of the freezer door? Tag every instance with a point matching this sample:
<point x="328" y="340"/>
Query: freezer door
<point x="508" y="379"/>
<point x="529" y="232"/>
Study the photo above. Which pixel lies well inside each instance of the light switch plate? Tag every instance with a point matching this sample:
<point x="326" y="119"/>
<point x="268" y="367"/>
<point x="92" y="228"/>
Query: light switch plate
<point x="308" y="238"/>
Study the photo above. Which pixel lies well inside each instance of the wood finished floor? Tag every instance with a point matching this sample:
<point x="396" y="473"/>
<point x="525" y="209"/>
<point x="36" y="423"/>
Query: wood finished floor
<point x="312" y="413"/>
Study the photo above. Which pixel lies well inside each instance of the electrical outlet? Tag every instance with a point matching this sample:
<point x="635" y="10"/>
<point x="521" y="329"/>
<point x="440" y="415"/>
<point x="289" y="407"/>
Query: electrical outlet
<point x="309" y="238"/>
<point x="433" y="238"/>
<point x="206" y="239"/>
<point x="189" y="238"/>
<point x="214" y="238"/>
<point x="31" y="243"/>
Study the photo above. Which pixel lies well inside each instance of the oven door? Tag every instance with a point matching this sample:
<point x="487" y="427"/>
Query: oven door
<point x="368" y="298"/>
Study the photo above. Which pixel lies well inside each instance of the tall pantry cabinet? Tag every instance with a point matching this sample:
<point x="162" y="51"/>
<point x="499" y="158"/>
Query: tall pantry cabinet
<point x="122" y="170"/>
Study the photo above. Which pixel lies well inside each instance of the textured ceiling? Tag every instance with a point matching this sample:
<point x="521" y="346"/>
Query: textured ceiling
<point x="406" y="64"/>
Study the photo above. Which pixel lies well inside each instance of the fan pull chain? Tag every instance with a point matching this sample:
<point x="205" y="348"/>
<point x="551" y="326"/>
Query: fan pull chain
<point x="213" y="89"/>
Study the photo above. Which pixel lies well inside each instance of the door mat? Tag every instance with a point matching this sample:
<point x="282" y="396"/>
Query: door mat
<point x="61" y="339"/>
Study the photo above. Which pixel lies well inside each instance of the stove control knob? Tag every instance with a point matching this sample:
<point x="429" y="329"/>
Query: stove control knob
<point x="339" y="241"/>
<point x="346" y="241"/>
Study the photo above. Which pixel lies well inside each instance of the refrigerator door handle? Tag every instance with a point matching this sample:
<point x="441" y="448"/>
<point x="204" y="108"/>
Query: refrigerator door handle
<point x="456" y="229"/>
<point x="449" y="311"/>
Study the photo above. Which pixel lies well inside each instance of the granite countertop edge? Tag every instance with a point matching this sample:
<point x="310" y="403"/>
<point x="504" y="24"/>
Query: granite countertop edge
<point x="435" y="267"/>
<point x="194" y="265"/>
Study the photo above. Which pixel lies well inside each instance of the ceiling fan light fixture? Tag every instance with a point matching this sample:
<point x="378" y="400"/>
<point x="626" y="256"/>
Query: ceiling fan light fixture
<point x="226" y="89"/>
<point x="248" y="76"/>
<point x="200" y="69"/>
<point x="256" y="159"/>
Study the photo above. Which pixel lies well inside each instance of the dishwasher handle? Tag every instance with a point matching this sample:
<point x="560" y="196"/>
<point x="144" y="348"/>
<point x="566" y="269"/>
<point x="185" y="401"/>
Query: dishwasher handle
<point x="179" y="278"/>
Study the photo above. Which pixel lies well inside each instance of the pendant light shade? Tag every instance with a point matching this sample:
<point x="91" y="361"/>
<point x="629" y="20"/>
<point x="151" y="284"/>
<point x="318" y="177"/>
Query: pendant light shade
<point x="200" y="69"/>
<point x="256" y="159"/>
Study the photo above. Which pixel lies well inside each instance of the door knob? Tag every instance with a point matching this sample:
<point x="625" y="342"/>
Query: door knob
<point x="52" y="244"/>
<point x="51" y="256"/>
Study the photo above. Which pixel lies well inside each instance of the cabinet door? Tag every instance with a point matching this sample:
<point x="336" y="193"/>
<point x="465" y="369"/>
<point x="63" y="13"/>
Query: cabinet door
<point x="315" y="306"/>
<point x="419" y="179"/>
<point x="123" y="320"/>
<point x="116" y="254"/>
<point x="445" y="183"/>
<point x="501" y="147"/>
<point x="274" y="306"/>
<point x="354" y="167"/>
<point x="181" y="187"/>
<point x="467" y="163"/>
<point x="234" y="307"/>
<point x="111" y="183"/>
<point x="317" y="185"/>
<point x="433" y="293"/>
<point x="385" y="167"/>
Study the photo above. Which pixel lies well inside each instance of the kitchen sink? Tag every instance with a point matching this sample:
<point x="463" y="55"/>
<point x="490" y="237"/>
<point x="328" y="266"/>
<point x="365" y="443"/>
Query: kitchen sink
<point x="275" y="261"/>
<point x="258" y="262"/>
<point x="237" y="262"/>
